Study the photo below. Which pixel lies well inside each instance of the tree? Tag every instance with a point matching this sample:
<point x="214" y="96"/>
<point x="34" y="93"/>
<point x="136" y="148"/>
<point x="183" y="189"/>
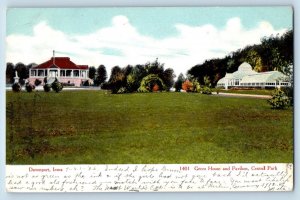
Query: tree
<point x="155" y="68"/>
<point x="116" y="79"/>
<point x="254" y="59"/>
<point x="92" y="72"/>
<point x="101" y="75"/>
<point x="134" y="78"/>
<point x="274" y="53"/>
<point x="10" y="72"/>
<point x="22" y="71"/>
<point x="168" y="78"/>
<point x="179" y="82"/>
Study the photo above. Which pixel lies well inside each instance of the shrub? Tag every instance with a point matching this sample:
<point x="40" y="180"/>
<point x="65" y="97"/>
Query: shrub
<point x="47" y="87"/>
<point x="22" y="81"/>
<point x="187" y="86"/>
<point x="279" y="100"/>
<point x="16" y="87"/>
<point x="206" y="90"/>
<point x="68" y="84"/>
<point x="37" y="82"/>
<point x="289" y="91"/>
<point x="149" y="81"/>
<point x="29" y="87"/>
<point x="196" y="86"/>
<point x="56" y="86"/>
<point x="121" y="90"/>
<point x="105" y="86"/>
<point x="155" y="88"/>
<point x="86" y="83"/>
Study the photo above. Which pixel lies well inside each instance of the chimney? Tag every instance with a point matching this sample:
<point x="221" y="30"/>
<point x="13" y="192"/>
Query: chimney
<point x="53" y="57"/>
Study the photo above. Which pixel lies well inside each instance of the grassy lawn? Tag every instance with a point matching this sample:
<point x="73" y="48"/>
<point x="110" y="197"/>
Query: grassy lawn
<point x="95" y="127"/>
<point x="255" y="91"/>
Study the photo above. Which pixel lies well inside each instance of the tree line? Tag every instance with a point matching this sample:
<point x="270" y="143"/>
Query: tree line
<point x="274" y="53"/>
<point x="148" y="77"/>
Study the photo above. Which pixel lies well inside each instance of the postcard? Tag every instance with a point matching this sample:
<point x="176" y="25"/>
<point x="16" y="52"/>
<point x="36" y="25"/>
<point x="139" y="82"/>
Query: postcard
<point x="149" y="99"/>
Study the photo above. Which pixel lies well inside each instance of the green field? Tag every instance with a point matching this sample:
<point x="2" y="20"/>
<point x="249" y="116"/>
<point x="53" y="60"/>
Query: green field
<point x="96" y="127"/>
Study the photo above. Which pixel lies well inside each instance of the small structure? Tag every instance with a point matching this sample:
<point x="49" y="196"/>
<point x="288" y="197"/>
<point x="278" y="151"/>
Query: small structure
<point x="245" y="77"/>
<point x="61" y="68"/>
<point x="16" y="78"/>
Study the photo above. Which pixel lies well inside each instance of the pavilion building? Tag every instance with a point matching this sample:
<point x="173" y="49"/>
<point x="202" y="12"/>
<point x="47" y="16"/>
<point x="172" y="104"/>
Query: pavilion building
<point x="245" y="77"/>
<point x="61" y="68"/>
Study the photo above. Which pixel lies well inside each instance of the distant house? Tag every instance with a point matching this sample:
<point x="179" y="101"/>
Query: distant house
<point x="61" y="68"/>
<point x="245" y="77"/>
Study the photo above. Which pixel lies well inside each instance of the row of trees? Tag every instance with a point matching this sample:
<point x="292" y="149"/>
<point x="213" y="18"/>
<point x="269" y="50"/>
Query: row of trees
<point x="22" y="70"/>
<point x="98" y="75"/>
<point x="274" y="53"/>
<point x="140" y="78"/>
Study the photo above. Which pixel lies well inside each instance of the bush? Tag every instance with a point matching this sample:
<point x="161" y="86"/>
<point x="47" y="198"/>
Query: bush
<point x="155" y="88"/>
<point x="22" y="81"/>
<point x="289" y="91"/>
<point x="29" y="87"/>
<point x="47" y="87"/>
<point x="68" y="84"/>
<point x="56" y="86"/>
<point x="16" y="87"/>
<point x="187" y="86"/>
<point x="86" y="83"/>
<point x="206" y="90"/>
<point x="122" y="90"/>
<point x="196" y="86"/>
<point x="37" y="82"/>
<point x="149" y="81"/>
<point x="279" y="100"/>
<point x="105" y="86"/>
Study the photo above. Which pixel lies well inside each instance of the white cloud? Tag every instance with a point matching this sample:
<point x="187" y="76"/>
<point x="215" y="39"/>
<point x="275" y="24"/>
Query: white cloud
<point x="191" y="46"/>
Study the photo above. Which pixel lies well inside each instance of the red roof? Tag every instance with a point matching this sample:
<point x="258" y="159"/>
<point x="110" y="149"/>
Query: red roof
<point x="60" y="62"/>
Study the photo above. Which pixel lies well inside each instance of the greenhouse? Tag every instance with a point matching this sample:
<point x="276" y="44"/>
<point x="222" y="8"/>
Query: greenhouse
<point x="247" y="78"/>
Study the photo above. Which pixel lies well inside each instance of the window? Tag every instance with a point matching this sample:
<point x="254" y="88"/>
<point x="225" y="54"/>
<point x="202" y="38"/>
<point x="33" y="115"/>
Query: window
<point x="236" y="82"/>
<point x="76" y="73"/>
<point x="33" y="72"/>
<point x="62" y="73"/>
<point x="68" y="73"/>
<point x="40" y="72"/>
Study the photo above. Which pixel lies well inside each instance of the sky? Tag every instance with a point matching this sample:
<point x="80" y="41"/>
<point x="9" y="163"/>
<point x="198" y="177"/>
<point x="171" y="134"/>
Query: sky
<point x="180" y="37"/>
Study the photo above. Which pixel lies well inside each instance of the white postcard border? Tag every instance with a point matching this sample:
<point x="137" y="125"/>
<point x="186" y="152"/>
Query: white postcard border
<point x="150" y="178"/>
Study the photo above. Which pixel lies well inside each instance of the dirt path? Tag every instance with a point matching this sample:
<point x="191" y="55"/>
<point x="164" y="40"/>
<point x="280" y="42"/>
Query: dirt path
<point x="243" y="95"/>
